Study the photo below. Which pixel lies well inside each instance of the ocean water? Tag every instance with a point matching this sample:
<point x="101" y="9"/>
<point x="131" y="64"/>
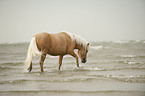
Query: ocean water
<point x="114" y="68"/>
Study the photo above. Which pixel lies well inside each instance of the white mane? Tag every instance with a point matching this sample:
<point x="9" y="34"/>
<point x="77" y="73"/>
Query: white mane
<point x="79" y="40"/>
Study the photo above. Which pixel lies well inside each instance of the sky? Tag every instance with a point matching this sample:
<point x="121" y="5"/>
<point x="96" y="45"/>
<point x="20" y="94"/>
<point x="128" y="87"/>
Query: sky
<point x="94" y="20"/>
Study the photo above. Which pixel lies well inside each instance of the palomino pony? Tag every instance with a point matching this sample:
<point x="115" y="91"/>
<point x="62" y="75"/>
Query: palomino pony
<point x="57" y="45"/>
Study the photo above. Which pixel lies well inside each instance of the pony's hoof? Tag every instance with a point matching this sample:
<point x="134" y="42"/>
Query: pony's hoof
<point x="29" y="69"/>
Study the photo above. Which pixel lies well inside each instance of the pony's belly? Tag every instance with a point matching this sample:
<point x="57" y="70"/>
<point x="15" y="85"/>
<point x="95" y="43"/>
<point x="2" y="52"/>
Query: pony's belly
<point x="56" y="53"/>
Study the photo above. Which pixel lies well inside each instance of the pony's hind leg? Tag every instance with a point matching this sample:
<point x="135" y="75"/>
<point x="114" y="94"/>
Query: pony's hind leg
<point x="60" y="61"/>
<point x="43" y="56"/>
<point x="30" y="67"/>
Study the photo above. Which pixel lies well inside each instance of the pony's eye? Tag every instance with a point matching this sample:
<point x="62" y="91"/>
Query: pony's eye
<point x="87" y="51"/>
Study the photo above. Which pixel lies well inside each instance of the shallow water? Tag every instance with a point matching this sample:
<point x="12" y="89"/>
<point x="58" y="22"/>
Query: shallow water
<point x="113" y="68"/>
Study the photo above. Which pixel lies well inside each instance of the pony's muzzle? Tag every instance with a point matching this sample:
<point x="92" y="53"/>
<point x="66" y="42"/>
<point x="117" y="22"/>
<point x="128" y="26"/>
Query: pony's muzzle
<point x="84" y="60"/>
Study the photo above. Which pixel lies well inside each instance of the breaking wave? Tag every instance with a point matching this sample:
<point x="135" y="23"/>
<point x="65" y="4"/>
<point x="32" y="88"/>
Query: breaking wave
<point x="132" y="56"/>
<point x="124" y="78"/>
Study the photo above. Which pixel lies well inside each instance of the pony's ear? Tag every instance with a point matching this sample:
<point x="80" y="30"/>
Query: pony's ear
<point x="88" y="44"/>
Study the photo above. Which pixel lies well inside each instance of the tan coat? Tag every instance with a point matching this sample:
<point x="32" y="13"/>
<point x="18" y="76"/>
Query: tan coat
<point x="57" y="45"/>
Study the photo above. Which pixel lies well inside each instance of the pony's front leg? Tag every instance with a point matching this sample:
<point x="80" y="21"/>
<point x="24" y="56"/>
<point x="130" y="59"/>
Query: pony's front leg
<point x="74" y="55"/>
<point x="60" y="61"/>
<point x="30" y="67"/>
<point x="43" y="56"/>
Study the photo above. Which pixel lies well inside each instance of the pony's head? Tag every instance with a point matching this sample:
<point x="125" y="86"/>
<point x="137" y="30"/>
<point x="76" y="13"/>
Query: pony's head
<point x="82" y="52"/>
<point x="82" y="46"/>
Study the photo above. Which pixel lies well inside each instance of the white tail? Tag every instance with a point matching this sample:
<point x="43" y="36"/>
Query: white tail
<point x="32" y="52"/>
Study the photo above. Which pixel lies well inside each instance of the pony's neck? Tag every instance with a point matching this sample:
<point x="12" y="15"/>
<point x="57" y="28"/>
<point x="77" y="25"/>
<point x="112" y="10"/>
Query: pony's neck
<point x="78" y="46"/>
<point x="80" y="42"/>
